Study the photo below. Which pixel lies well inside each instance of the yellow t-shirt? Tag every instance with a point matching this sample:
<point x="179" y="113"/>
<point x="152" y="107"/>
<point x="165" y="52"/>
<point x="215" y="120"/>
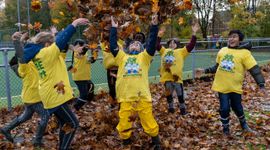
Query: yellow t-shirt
<point x="82" y="68"/>
<point x="173" y="60"/>
<point x="30" y="90"/>
<point x="108" y="58"/>
<point x="132" y="77"/>
<point x="63" y="55"/>
<point x="231" y="70"/>
<point x="52" y="71"/>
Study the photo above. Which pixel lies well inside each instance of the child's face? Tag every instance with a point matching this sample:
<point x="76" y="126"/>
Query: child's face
<point x="172" y="44"/>
<point x="135" y="46"/>
<point x="234" y="40"/>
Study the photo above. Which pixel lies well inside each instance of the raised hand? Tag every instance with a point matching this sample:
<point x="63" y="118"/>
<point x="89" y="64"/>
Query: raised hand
<point x="24" y="37"/>
<point x="16" y="36"/>
<point x="195" y="28"/>
<point x="154" y="19"/>
<point x="199" y="72"/>
<point x="80" y="21"/>
<point x="114" y="24"/>
<point x="161" y="31"/>
<point x="126" y="24"/>
<point x="53" y="30"/>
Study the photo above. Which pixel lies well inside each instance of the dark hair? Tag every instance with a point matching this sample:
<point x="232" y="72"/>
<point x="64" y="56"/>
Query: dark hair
<point x="176" y="41"/>
<point x="79" y="41"/>
<point x="139" y="34"/>
<point x="240" y="34"/>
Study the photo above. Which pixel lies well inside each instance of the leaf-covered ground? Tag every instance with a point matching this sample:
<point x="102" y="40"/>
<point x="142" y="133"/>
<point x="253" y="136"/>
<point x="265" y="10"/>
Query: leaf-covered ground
<point x="200" y="129"/>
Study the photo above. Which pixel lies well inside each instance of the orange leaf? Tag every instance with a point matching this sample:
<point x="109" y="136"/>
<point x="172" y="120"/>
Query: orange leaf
<point x="180" y="20"/>
<point x="93" y="45"/>
<point x="37" y="26"/>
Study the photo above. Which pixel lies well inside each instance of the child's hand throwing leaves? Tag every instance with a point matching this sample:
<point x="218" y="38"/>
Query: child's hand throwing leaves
<point x="114" y="24"/>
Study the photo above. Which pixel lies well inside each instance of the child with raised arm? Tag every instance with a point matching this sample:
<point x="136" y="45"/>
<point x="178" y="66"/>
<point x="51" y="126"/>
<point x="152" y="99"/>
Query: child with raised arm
<point x="132" y="85"/>
<point x="171" y="68"/>
<point x="81" y="73"/>
<point x="54" y="86"/>
<point x="231" y="64"/>
<point x="30" y="96"/>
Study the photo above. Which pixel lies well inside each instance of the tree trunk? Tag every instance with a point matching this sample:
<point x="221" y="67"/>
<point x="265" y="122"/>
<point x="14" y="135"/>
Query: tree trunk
<point x="214" y="17"/>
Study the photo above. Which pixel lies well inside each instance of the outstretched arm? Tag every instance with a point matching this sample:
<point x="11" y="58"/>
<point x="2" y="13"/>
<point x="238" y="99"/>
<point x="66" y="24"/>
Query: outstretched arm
<point x="151" y="45"/>
<point x="63" y="37"/>
<point x="160" y="35"/>
<point x="199" y="72"/>
<point x="113" y="38"/>
<point x="257" y="75"/>
<point x="193" y="40"/>
<point x="212" y="69"/>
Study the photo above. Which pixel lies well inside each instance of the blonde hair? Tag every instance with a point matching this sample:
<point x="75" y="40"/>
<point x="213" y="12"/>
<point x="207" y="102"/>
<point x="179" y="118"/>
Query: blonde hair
<point x="43" y="38"/>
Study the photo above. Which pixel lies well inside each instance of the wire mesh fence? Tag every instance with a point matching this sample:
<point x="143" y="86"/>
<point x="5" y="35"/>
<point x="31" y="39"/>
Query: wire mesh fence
<point x="201" y="57"/>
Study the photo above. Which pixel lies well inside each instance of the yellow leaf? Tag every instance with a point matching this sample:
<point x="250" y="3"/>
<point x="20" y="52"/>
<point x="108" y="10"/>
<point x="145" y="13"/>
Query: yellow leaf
<point x="55" y="21"/>
<point x="138" y="29"/>
<point x="61" y="13"/>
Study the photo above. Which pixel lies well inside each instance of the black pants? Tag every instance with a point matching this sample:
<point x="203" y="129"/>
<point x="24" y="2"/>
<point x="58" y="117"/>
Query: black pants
<point x="86" y="89"/>
<point x="111" y="82"/>
<point x="68" y="125"/>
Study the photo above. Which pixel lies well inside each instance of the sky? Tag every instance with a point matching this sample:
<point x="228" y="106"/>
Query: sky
<point x="2" y="4"/>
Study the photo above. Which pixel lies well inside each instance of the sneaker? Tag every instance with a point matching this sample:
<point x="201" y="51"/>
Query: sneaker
<point x="157" y="147"/>
<point x="38" y="144"/>
<point x="7" y="135"/>
<point x="171" y="108"/>
<point x="156" y="143"/>
<point x="127" y="141"/>
<point x="247" y="129"/>
<point x="226" y="131"/>
<point x="183" y="111"/>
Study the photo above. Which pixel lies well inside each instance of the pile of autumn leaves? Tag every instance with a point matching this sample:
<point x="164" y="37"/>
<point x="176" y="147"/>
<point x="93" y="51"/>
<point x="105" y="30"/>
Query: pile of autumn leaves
<point x="200" y="129"/>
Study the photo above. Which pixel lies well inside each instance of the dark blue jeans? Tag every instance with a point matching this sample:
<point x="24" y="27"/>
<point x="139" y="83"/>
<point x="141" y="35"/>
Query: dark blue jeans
<point x="68" y="125"/>
<point x="27" y="114"/>
<point x="228" y="101"/>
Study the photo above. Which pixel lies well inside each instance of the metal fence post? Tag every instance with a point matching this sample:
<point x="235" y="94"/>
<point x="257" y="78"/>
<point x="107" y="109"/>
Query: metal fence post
<point x="193" y="63"/>
<point x="5" y="54"/>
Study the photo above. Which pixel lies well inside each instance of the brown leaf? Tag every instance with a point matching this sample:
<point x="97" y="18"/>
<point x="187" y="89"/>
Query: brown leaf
<point x="60" y="87"/>
<point x="133" y="117"/>
<point x="67" y="128"/>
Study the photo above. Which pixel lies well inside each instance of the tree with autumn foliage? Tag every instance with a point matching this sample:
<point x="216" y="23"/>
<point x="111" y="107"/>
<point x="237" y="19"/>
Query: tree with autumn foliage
<point x="245" y="20"/>
<point x="62" y="12"/>
<point x="10" y="13"/>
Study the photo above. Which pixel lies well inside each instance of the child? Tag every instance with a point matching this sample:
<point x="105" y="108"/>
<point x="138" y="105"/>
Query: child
<point x="81" y="73"/>
<point x="172" y="63"/>
<point x="232" y="62"/>
<point x="54" y="86"/>
<point x="132" y="86"/>
<point x="30" y="96"/>
<point x="112" y="68"/>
